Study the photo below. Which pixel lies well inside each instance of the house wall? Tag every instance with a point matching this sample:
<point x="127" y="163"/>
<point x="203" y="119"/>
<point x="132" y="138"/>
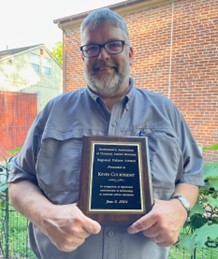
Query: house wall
<point x="175" y="54"/>
<point x="17" y="112"/>
<point x="18" y="75"/>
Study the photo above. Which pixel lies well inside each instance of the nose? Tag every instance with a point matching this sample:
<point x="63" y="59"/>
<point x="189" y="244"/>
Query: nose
<point x="103" y="55"/>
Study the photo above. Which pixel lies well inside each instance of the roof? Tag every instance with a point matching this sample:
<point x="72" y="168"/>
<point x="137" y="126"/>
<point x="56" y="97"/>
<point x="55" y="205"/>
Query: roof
<point x="123" y="5"/>
<point x="11" y="52"/>
<point x="83" y="14"/>
<point x="7" y="54"/>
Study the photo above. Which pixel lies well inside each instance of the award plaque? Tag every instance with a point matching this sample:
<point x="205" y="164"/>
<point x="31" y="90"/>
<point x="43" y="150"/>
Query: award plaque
<point x="115" y="180"/>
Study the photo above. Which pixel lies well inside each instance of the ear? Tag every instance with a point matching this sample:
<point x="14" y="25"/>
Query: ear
<point x="130" y="56"/>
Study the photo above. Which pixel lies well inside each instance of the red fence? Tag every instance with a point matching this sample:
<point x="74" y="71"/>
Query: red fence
<point x="17" y="112"/>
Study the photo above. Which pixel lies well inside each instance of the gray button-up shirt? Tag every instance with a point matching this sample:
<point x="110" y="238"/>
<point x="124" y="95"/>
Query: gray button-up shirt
<point x="51" y="159"/>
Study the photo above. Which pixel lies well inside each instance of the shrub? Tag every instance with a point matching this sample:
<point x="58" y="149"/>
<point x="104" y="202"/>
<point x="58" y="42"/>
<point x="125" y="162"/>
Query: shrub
<point x="201" y="229"/>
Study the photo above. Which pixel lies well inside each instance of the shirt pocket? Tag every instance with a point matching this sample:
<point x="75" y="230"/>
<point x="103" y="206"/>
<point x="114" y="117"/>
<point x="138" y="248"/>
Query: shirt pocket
<point x="58" y="166"/>
<point x="165" y="157"/>
<point x="166" y="162"/>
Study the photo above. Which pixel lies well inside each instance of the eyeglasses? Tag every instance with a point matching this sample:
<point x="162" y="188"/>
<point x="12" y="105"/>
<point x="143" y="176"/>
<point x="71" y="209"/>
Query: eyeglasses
<point x="112" y="48"/>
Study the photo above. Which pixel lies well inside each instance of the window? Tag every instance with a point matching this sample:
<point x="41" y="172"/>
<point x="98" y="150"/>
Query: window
<point x="35" y="62"/>
<point x="46" y="66"/>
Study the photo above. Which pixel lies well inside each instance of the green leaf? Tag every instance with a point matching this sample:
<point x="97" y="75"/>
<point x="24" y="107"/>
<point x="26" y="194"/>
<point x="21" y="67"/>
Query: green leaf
<point x="209" y="188"/>
<point x="197" y="209"/>
<point x="187" y="242"/>
<point x="211" y="170"/>
<point x="214" y="184"/>
<point x="202" y="234"/>
<point x="197" y="221"/>
<point x="212" y="201"/>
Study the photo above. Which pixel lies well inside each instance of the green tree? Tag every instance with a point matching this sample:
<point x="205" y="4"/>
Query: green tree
<point x="57" y="51"/>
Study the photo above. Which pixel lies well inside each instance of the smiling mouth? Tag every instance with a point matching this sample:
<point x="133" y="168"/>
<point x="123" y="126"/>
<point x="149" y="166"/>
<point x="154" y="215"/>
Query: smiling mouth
<point x="104" y="68"/>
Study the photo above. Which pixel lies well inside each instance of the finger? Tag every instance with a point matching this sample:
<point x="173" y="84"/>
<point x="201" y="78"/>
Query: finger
<point x="163" y="241"/>
<point x="68" y="247"/>
<point x="142" y="224"/>
<point x="84" y="227"/>
<point x="78" y="232"/>
<point x="91" y="226"/>
<point x="163" y="244"/>
<point x="152" y="231"/>
<point x="67" y="242"/>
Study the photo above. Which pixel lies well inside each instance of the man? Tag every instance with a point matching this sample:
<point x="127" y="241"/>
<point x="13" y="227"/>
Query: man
<point x="44" y="184"/>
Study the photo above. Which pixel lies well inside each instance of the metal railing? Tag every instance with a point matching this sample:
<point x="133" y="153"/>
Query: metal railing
<point x="13" y="226"/>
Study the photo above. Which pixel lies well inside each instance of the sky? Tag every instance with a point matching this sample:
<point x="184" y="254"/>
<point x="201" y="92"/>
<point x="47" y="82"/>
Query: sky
<point x="30" y="22"/>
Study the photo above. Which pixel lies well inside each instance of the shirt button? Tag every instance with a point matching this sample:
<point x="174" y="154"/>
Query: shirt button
<point x="111" y="233"/>
<point x="114" y="124"/>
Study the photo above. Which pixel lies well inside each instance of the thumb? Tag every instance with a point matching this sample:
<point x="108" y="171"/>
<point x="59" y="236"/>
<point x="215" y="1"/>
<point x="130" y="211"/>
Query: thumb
<point x="92" y="226"/>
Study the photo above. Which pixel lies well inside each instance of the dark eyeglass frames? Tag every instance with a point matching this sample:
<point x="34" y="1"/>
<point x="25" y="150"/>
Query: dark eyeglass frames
<point x="112" y="47"/>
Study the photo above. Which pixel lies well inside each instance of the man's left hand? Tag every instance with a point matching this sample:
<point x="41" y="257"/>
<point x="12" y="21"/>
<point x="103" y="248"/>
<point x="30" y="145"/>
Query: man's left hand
<point x="163" y="223"/>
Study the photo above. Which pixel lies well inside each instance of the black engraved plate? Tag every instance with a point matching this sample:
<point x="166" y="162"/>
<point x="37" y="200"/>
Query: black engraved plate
<point x="115" y="184"/>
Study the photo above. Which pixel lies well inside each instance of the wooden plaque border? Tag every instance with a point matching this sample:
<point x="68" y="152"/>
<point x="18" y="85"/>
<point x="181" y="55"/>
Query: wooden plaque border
<point x="114" y="216"/>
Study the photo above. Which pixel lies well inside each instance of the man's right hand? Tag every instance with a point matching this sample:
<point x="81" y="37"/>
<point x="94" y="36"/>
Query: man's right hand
<point x="67" y="227"/>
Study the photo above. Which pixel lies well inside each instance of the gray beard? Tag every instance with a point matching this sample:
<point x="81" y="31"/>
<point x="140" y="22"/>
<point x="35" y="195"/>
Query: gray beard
<point x="109" y="84"/>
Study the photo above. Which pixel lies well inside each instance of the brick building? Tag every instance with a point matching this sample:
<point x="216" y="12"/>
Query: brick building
<point x="175" y="54"/>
